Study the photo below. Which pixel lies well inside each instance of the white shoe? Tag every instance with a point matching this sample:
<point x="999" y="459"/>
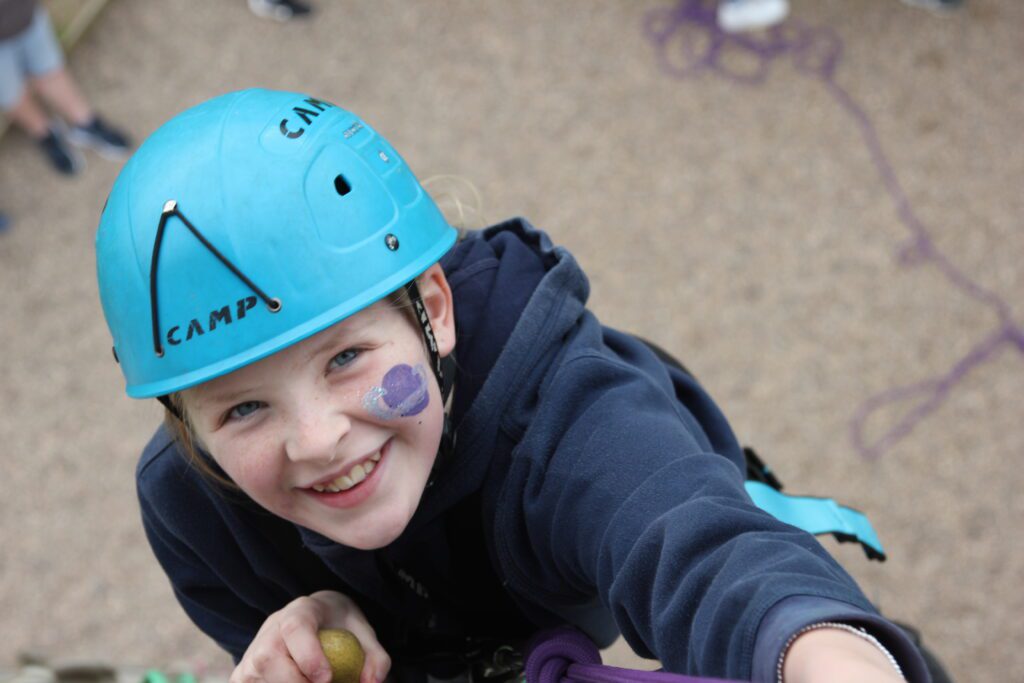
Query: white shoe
<point x="34" y="673"/>
<point x="279" y="10"/>
<point x="735" y="16"/>
<point x="940" y="5"/>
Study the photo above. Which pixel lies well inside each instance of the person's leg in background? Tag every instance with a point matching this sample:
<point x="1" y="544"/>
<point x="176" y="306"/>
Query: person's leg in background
<point x="35" y="51"/>
<point x="60" y="92"/>
<point x="51" y="136"/>
<point x="32" y="69"/>
<point x="26" y="113"/>
<point x="88" y="129"/>
<point x="49" y="78"/>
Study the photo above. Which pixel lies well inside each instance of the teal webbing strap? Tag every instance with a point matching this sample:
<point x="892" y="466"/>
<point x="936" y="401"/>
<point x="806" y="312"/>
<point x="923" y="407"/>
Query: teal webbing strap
<point x="817" y="516"/>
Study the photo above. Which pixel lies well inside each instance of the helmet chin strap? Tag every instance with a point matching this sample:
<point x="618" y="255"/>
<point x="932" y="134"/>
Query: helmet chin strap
<point x="444" y="370"/>
<point x="413" y="290"/>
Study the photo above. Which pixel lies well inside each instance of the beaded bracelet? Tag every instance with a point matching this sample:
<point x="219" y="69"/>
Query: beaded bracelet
<point x="859" y="632"/>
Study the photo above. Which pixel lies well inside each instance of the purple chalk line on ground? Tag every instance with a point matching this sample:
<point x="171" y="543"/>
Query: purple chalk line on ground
<point x="816" y="52"/>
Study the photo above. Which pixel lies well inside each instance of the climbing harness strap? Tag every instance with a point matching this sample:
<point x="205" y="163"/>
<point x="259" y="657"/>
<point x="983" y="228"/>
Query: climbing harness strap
<point x="817" y="516"/>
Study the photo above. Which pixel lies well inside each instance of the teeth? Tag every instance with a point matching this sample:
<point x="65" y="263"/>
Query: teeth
<point x="355" y="476"/>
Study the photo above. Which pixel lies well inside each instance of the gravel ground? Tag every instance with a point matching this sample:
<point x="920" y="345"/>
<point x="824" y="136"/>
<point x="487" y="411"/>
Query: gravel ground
<point x="753" y="228"/>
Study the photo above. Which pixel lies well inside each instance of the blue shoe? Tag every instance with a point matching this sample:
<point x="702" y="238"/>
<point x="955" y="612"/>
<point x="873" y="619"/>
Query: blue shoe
<point x="60" y="153"/>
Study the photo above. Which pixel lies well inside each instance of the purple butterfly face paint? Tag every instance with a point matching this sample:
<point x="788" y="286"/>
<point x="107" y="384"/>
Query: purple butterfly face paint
<point x="402" y="392"/>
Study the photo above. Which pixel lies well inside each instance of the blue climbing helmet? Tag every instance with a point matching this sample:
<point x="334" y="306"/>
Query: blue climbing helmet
<point x="251" y="222"/>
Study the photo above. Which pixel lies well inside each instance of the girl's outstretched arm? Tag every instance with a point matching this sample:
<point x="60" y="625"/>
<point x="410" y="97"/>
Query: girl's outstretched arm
<point x="613" y="492"/>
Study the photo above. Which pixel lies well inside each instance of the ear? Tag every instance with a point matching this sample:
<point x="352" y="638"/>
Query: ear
<point x="437" y="298"/>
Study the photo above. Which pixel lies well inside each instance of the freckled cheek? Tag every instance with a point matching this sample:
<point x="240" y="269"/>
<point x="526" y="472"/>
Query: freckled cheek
<point x="428" y="427"/>
<point x="253" y="469"/>
<point x="261" y="477"/>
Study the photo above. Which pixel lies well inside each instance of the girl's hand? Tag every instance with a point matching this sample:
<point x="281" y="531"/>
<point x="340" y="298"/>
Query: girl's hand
<point x="834" y="656"/>
<point x="287" y="650"/>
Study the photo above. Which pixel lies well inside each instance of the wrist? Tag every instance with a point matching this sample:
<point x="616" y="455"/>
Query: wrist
<point x="828" y="651"/>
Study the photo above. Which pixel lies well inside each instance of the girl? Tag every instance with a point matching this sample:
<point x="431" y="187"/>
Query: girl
<point x="428" y="441"/>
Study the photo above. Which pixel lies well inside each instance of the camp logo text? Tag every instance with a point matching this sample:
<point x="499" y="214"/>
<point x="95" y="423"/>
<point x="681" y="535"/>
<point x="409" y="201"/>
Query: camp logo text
<point x="218" y="317"/>
<point x="306" y="114"/>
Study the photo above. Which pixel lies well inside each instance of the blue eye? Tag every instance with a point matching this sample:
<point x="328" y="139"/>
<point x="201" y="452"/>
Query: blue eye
<point x="344" y="358"/>
<point x="243" y="410"/>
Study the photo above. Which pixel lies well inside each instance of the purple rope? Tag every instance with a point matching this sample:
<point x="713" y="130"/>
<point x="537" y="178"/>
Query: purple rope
<point x="566" y="655"/>
<point x="688" y="40"/>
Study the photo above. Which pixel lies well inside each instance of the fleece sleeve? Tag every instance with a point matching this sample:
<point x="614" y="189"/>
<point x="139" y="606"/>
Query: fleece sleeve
<point x="173" y="508"/>
<point x="610" y="492"/>
<point x="205" y="598"/>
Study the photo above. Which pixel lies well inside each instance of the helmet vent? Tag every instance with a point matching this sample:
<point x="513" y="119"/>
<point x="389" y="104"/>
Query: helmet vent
<point x="341" y="185"/>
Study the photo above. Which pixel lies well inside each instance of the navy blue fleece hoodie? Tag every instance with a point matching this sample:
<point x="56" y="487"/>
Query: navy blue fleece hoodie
<point x="590" y="483"/>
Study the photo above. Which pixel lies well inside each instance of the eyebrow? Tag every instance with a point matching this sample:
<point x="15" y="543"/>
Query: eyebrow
<point x="341" y="331"/>
<point x="329" y="341"/>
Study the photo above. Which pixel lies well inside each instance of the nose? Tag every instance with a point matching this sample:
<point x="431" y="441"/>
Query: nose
<point x="316" y="430"/>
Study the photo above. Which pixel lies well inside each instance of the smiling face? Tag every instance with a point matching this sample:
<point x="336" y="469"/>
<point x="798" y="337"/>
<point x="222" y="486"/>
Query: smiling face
<point x="338" y="432"/>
